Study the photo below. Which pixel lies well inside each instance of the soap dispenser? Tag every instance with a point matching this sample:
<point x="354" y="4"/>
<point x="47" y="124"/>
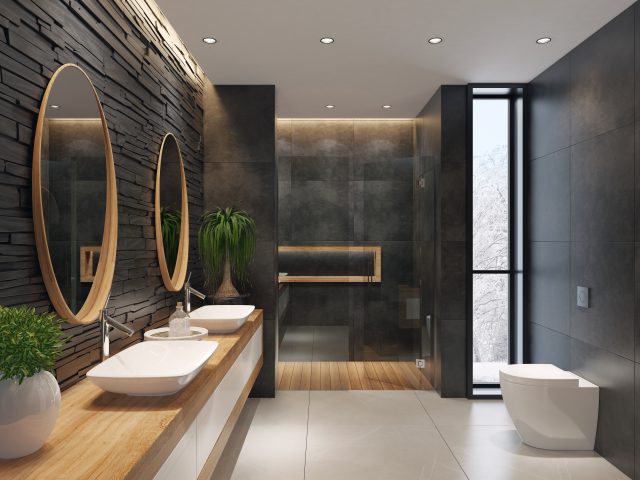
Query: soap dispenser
<point x="179" y="323"/>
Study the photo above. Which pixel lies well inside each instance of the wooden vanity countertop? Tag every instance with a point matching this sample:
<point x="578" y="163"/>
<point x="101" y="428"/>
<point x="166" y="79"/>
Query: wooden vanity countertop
<point x="113" y="436"/>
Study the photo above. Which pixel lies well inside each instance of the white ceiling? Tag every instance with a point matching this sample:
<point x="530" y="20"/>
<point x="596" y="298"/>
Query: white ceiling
<point x="380" y="55"/>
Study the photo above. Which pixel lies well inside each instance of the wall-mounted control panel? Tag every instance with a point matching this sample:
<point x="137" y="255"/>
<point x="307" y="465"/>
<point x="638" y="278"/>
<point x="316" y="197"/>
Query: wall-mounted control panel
<point x="583" y="297"/>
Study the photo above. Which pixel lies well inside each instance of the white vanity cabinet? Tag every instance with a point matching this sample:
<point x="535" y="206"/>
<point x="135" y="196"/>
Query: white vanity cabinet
<point x="190" y="455"/>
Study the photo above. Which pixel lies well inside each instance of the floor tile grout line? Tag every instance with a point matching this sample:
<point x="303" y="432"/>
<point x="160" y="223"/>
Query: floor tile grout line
<point x="306" y="440"/>
<point x="415" y="392"/>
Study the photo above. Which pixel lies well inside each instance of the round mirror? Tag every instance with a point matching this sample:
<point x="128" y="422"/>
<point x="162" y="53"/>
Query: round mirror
<point x="74" y="197"/>
<point x="172" y="215"/>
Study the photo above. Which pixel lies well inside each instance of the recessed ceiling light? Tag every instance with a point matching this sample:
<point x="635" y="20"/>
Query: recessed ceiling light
<point x="209" y="40"/>
<point x="327" y="40"/>
<point x="435" y="40"/>
<point x="543" y="40"/>
<point x="386" y="106"/>
<point x="55" y="106"/>
<point x="329" y="106"/>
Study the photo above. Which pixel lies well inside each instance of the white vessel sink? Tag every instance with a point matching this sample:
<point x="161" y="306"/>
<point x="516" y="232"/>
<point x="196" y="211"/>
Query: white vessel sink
<point x="153" y="368"/>
<point x="221" y="318"/>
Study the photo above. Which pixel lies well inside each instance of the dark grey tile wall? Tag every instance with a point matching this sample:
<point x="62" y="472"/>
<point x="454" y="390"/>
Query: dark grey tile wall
<point x="582" y="224"/>
<point x="441" y="139"/>
<point x="240" y="170"/>
<point x="148" y="86"/>
<point x="342" y="182"/>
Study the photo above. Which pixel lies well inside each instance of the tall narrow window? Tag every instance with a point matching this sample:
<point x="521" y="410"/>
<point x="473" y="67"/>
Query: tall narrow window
<point x="494" y="229"/>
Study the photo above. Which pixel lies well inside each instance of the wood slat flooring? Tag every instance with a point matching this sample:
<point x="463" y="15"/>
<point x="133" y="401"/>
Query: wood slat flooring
<point x="350" y="376"/>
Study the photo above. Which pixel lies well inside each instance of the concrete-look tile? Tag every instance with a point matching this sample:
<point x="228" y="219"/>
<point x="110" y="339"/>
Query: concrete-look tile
<point x="283" y="137"/>
<point x="602" y="79"/>
<point x="384" y="139"/>
<point x="551" y="109"/>
<point x="363" y="408"/>
<point x="331" y="344"/>
<point x="608" y="270"/>
<point x="602" y="188"/>
<point x="319" y="168"/>
<point x="549" y="346"/>
<point x="388" y="210"/>
<point x="615" y="377"/>
<point x="320" y="211"/>
<point x="550" y="285"/>
<point x="324" y="137"/>
<point x="550" y="187"/>
<point x="376" y="452"/>
<point x="252" y="452"/>
<point x="297" y="344"/>
<point x="460" y="411"/>
<point x="496" y="453"/>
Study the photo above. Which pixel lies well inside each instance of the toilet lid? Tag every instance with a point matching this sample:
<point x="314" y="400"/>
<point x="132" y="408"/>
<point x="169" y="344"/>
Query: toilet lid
<point x="541" y="374"/>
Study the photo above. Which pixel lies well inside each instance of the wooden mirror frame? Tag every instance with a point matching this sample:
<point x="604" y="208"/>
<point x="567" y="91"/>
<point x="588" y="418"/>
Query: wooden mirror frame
<point x="101" y="286"/>
<point x="175" y="282"/>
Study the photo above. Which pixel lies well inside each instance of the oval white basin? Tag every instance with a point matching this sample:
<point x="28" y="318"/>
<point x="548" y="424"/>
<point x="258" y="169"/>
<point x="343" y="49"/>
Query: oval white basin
<point x="153" y="368"/>
<point x="221" y="318"/>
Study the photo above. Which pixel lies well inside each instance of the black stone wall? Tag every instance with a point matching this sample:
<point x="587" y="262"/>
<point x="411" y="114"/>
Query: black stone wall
<point x="584" y="226"/>
<point x="149" y="85"/>
<point x="240" y="170"/>
<point x="441" y="135"/>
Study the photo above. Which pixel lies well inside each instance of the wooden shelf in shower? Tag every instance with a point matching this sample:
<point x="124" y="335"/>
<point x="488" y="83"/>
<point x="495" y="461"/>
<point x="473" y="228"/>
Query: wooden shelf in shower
<point x="377" y="264"/>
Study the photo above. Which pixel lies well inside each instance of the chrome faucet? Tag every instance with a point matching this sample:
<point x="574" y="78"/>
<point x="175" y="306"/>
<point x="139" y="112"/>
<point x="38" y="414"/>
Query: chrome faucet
<point x="106" y="324"/>
<point x="188" y="290"/>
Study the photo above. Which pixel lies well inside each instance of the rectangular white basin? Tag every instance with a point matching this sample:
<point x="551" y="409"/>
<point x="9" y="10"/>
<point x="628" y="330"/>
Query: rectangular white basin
<point x="221" y="318"/>
<point x="153" y="368"/>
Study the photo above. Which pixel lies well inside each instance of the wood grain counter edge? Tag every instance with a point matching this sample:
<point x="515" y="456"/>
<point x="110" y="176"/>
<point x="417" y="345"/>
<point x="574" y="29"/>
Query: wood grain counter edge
<point x="107" y="435"/>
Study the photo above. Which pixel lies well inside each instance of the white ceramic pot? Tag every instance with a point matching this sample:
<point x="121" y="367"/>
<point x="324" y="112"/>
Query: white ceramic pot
<point x="28" y="412"/>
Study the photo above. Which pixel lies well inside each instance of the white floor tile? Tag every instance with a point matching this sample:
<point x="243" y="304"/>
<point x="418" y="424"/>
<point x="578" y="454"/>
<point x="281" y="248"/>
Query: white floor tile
<point x="460" y="411"/>
<point x="373" y="452"/>
<point x="496" y="453"/>
<point x="391" y="408"/>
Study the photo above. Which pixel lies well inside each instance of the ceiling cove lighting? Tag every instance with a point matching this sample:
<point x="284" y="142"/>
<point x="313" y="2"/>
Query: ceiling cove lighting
<point x="209" y="40"/>
<point x="435" y="40"/>
<point x="329" y="106"/>
<point x="543" y="40"/>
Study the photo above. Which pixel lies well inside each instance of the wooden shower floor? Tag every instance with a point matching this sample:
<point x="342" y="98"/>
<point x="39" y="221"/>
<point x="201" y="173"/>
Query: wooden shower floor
<point x="350" y="376"/>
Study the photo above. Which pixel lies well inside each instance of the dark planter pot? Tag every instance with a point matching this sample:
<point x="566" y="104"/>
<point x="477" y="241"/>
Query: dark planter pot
<point x="239" y="300"/>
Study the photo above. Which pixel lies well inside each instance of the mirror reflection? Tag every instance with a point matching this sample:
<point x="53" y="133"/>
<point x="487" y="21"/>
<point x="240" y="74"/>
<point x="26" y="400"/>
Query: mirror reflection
<point x="170" y="201"/>
<point x="73" y="184"/>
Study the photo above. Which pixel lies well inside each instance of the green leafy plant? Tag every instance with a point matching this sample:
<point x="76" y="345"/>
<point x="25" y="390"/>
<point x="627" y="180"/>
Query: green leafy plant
<point x="170" y="225"/>
<point x="227" y="243"/>
<point x="29" y="342"/>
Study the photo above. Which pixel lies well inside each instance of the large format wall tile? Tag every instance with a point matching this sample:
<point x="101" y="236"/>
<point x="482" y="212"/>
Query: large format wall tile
<point x="551" y="109"/>
<point x="388" y="210"/>
<point x="451" y="302"/>
<point x="608" y="270"/>
<point x="637" y="304"/>
<point x="615" y="376"/>
<point x="549" y="346"/>
<point x="550" y="285"/>
<point x="319" y="168"/>
<point x="313" y="138"/>
<point x="320" y="212"/>
<point x="550" y="200"/>
<point x="240" y="124"/>
<point x="602" y="188"/>
<point x="228" y="184"/>
<point x="384" y="139"/>
<point x="602" y="80"/>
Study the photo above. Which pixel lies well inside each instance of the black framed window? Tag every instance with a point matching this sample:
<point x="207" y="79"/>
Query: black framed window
<point x="495" y="257"/>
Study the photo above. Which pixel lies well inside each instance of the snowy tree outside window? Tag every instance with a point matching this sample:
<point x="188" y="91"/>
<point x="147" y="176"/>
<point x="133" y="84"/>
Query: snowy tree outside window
<point x="490" y="238"/>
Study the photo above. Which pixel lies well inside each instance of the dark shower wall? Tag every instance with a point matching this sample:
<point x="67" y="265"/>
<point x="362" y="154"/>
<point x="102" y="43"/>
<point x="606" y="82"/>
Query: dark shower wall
<point x="346" y="182"/>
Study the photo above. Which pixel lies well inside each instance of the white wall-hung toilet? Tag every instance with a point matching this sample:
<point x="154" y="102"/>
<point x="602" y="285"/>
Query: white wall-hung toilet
<point x="550" y="408"/>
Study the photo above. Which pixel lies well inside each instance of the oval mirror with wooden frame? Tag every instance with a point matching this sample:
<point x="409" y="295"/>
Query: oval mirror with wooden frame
<point x="75" y="210"/>
<point x="172" y="215"/>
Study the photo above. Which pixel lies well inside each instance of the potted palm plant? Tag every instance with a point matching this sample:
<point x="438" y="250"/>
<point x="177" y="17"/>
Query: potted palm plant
<point x="227" y="242"/>
<point x="29" y="394"/>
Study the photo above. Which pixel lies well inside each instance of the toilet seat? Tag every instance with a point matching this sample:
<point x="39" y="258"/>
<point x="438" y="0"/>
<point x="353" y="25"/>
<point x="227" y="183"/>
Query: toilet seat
<point x="539" y="374"/>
